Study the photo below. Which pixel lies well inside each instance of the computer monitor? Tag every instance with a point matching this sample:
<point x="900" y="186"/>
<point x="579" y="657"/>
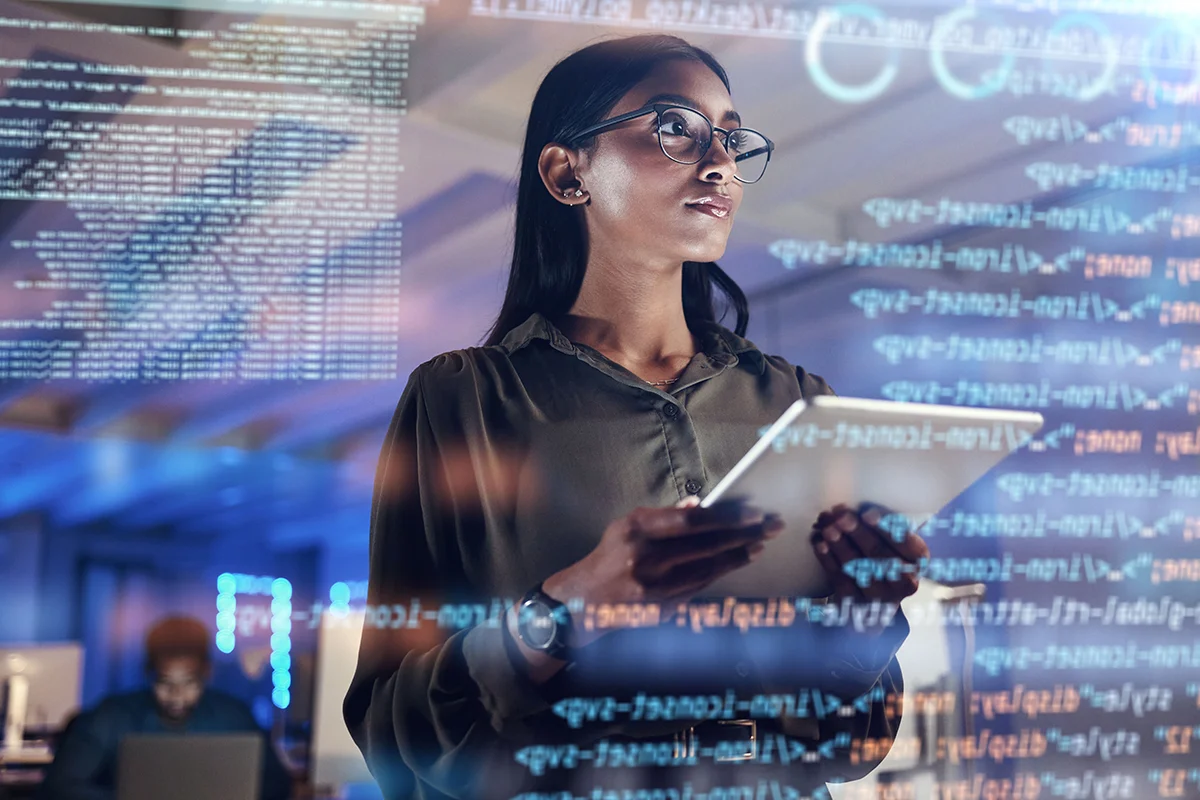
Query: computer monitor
<point x="52" y="685"/>
<point x="336" y="760"/>
<point x="190" y="766"/>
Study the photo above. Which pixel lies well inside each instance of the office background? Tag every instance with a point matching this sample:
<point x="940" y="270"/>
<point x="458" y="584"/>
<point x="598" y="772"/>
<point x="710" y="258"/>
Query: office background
<point x="982" y="203"/>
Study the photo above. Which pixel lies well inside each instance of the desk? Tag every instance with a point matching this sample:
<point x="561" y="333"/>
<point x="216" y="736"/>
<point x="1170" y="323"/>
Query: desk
<point x="21" y="770"/>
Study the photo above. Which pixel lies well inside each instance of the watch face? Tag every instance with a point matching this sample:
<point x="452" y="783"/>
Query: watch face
<point x="537" y="624"/>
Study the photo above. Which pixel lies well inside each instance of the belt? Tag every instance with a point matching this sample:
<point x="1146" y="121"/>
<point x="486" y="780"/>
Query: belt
<point x="732" y="739"/>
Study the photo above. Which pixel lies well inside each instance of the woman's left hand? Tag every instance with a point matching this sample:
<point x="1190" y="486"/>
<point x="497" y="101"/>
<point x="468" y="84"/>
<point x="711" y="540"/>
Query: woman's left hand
<point x="895" y="558"/>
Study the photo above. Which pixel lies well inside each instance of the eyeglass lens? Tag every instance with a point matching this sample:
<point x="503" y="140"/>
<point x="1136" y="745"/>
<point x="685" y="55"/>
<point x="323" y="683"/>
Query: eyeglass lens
<point x="686" y="135"/>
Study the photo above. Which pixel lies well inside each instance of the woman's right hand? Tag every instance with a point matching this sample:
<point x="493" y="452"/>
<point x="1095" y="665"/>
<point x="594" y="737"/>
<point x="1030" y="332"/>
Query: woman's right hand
<point x="663" y="556"/>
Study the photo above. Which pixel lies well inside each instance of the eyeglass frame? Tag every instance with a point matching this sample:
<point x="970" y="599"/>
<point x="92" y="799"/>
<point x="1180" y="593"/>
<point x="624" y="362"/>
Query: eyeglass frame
<point x="658" y="108"/>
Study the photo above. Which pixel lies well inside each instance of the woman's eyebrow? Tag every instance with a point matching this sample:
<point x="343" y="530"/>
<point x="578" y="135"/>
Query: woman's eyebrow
<point x="687" y="101"/>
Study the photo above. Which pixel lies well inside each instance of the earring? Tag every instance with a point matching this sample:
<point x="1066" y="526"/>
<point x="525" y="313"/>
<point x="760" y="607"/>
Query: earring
<point x="578" y="193"/>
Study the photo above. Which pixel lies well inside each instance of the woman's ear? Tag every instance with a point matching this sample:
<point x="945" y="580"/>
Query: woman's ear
<point x="555" y="169"/>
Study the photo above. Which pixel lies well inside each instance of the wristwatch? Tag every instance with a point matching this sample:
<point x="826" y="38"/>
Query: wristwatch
<point x="544" y="623"/>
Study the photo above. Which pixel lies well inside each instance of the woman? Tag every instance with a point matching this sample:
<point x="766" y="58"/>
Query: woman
<point x="563" y="460"/>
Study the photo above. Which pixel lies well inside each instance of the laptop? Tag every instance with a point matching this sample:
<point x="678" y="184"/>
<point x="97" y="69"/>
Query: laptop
<point x="193" y="766"/>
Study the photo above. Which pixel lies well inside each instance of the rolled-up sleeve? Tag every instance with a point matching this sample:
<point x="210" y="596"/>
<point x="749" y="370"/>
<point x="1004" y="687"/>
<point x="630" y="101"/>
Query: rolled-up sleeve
<point x="422" y="703"/>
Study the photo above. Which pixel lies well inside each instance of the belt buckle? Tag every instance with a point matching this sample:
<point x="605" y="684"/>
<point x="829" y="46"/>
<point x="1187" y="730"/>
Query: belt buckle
<point x="753" y="749"/>
<point x="686" y="742"/>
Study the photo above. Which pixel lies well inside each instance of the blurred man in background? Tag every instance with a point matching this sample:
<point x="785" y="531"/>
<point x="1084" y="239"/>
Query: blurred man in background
<point x="178" y="665"/>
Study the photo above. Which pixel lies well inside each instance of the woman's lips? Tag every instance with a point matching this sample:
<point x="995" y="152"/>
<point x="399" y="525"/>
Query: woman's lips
<point x="711" y="211"/>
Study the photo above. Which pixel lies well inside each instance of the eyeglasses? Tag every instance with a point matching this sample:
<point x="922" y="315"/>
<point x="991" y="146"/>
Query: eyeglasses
<point x="690" y="135"/>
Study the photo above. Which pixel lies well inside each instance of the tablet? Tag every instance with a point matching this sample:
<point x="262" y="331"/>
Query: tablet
<point x="912" y="458"/>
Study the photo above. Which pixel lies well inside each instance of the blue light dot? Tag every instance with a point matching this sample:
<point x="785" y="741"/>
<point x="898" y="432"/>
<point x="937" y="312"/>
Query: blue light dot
<point x="339" y="593"/>
<point x="281" y="588"/>
<point x="281" y="698"/>
<point x="226" y="583"/>
<point x="281" y="678"/>
<point x="225" y="641"/>
<point x="281" y="625"/>
<point x="226" y="621"/>
<point x="281" y="608"/>
<point x="226" y="602"/>
<point x="281" y="660"/>
<point x="232" y="495"/>
<point x="281" y="642"/>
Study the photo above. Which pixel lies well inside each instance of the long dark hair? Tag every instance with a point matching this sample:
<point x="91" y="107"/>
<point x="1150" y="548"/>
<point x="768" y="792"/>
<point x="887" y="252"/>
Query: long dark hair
<point x="549" y="251"/>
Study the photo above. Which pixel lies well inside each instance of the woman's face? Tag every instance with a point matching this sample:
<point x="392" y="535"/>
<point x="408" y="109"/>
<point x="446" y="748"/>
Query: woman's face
<point x="638" y="212"/>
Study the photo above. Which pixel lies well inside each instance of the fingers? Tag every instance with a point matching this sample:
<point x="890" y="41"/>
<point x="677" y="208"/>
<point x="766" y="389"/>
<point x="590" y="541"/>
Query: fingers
<point x="664" y="523"/>
<point x="845" y="538"/>
<point x="684" y="548"/>
<point x="881" y="527"/>
<point x="865" y="540"/>
<point x="843" y="550"/>
<point x="843" y="584"/>
<point x="661" y="556"/>
<point x="895" y="530"/>
<point x="688" y="579"/>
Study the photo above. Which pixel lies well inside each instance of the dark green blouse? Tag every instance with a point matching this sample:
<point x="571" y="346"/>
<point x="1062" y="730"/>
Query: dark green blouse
<point x="503" y="465"/>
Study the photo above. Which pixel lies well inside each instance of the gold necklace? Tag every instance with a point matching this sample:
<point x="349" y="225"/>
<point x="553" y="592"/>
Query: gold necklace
<point x="668" y="381"/>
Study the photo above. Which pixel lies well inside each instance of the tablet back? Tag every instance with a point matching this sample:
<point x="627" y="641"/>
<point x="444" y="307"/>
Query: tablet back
<point x="910" y="457"/>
